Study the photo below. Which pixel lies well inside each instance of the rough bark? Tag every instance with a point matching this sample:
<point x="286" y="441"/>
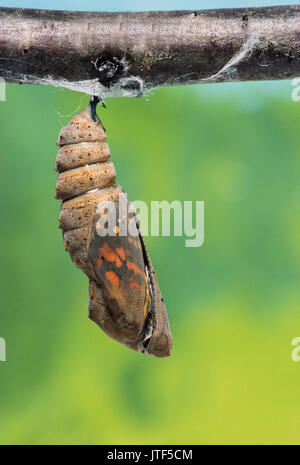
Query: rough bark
<point x="129" y="53"/>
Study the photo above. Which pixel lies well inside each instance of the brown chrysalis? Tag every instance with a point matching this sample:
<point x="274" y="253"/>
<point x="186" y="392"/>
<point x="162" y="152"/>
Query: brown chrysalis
<point x="124" y="296"/>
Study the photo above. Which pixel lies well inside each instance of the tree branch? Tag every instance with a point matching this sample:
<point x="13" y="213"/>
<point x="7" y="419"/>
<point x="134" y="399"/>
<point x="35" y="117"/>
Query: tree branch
<point x="108" y="54"/>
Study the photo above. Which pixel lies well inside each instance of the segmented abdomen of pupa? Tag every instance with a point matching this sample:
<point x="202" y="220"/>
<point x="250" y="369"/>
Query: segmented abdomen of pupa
<point x="86" y="178"/>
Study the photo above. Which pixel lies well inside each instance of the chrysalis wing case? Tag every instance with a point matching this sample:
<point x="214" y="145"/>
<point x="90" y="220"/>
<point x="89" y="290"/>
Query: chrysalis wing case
<point x="124" y="298"/>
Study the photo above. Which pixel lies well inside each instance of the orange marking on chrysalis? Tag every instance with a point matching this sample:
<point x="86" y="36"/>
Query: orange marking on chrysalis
<point x="113" y="278"/>
<point x="132" y="266"/>
<point x="110" y="255"/>
<point x="121" y="253"/>
<point x="133" y="284"/>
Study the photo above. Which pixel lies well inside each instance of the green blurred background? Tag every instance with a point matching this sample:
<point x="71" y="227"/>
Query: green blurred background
<point x="233" y="304"/>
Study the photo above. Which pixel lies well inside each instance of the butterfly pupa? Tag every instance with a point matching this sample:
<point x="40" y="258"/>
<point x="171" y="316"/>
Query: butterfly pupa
<point x="124" y="296"/>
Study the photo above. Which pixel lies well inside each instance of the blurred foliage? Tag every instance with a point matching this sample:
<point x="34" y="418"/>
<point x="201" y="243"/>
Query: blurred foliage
<point x="233" y="304"/>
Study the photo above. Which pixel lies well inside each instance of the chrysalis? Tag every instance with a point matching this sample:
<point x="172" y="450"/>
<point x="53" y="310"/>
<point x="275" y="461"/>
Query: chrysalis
<point x="124" y="296"/>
